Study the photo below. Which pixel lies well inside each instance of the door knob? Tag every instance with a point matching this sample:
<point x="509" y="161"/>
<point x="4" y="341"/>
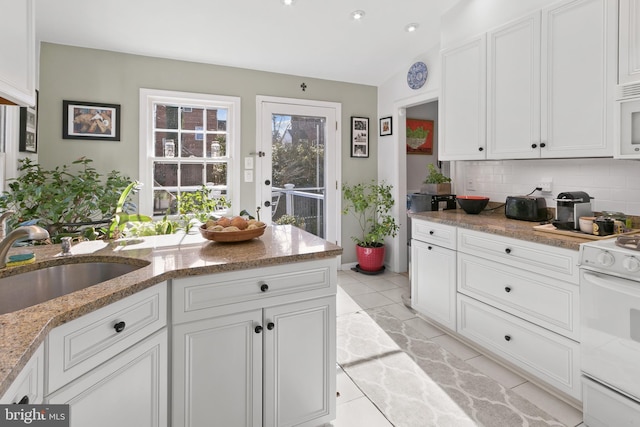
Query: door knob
<point x="267" y="203"/>
<point x="267" y="182"/>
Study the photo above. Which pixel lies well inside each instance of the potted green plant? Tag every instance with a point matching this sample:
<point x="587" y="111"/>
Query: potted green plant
<point x="371" y="204"/>
<point x="67" y="200"/>
<point x="436" y="182"/>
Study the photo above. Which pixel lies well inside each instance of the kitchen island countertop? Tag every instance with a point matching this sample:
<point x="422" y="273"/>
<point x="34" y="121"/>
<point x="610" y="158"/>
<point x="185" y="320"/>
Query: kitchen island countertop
<point x="495" y="222"/>
<point x="161" y="258"/>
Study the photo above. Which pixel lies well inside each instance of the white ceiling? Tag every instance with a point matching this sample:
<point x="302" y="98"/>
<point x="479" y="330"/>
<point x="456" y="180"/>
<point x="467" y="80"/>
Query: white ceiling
<point x="312" y="38"/>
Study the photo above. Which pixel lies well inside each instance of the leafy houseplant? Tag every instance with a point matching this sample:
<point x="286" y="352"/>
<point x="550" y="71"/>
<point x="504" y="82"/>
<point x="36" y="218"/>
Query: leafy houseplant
<point x="370" y="204"/>
<point x="436" y="182"/>
<point x="199" y="205"/>
<point x="66" y="200"/>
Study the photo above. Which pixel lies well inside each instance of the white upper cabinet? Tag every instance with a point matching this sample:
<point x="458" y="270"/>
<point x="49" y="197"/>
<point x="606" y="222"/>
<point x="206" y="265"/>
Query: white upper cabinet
<point x="513" y="90"/>
<point x="462" y="109"/>
<point x="579" y="40"/>
<point x="17" y="50"/>
<point x="629" y="42"/>
<point x="550" y="78"/>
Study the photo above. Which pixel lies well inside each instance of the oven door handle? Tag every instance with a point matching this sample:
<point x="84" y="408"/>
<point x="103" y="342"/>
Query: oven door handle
<point x="613" y="283"/>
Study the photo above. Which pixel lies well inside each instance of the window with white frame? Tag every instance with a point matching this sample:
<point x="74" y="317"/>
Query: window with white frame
<point x="187" y="141"/>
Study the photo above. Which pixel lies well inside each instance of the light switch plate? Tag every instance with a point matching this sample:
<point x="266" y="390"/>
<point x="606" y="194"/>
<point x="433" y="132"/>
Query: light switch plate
<point x="248" y="176"/>
<point x="248" y="162"/>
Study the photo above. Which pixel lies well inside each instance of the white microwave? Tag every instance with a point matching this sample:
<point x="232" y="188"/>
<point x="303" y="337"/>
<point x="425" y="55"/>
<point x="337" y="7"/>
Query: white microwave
<point x="627" y="122"/>
<point x="629" y="131"/>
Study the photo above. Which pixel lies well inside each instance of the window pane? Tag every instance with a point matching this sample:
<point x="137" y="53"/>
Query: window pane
<point x="191" y="147"/>
<point x="164" y="202"/>
<point x="191" y="175"/>
<point x="216" y="146"/>
<point x="217" y="119"/>
<point x="165" y="174"/>
<point x="163" y="144"/>
<point x="217" y="174"/>
<point x="166" y="117"/>
<point x="192" y="118"/>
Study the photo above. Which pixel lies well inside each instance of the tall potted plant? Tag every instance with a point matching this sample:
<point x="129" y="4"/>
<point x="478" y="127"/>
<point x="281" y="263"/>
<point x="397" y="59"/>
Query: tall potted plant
<point x="371" y="204"/>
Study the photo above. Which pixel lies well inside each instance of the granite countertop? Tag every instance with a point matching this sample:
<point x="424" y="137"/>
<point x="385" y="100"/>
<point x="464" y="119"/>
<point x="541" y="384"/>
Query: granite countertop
<point x="161" y="258"/>
<point x="494" y="222"/>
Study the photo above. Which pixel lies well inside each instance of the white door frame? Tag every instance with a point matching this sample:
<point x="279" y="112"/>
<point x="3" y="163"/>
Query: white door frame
<point x="398" y="176"/>
<point x="333" y="161"/>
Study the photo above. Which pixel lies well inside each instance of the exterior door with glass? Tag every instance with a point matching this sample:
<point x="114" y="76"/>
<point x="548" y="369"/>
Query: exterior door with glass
<point x="298" y="164"/>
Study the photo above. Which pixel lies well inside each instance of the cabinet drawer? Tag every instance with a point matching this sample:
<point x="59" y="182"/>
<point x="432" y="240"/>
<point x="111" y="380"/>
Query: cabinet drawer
<point x="84" y="343"/>
<point x="434" y="233"/>
<point x="550" y="357"/>
<point x="558" y="263"/>
<point x="550" y="303"/>
<point x="29" y="383"/>
<point x="202" y="297"/>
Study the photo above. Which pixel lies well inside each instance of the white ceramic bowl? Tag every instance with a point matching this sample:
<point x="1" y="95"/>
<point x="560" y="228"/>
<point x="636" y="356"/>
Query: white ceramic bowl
<point x="586" y="224"/>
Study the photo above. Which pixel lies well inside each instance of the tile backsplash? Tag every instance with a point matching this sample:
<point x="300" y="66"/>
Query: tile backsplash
<point x="613" y="184"/>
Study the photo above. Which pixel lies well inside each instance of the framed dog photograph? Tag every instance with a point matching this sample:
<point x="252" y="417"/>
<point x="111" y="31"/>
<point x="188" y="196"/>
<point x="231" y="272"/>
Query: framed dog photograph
<point x="88" y="120"/>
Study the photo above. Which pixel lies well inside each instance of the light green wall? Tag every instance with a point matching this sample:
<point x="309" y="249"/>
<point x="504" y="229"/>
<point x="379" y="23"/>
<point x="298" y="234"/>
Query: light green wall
<point x="79" y="74"/>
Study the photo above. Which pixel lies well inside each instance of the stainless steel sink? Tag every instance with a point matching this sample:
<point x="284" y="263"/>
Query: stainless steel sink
<point x="34" y="287"/>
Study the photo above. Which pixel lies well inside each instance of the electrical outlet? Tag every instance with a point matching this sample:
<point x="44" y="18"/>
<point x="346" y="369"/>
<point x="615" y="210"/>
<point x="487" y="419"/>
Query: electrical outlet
<point x="470" y="184"/>
<point x="248" y="175"/>
<point x="545" y="185"/>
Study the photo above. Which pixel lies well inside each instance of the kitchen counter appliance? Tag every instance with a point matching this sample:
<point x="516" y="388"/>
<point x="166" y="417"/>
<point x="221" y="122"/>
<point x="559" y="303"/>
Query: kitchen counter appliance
<point x="571" y="206"/>
<point x="610" y="331"/>
<point x="526" y="208"/>
<point x="419" y="202"/>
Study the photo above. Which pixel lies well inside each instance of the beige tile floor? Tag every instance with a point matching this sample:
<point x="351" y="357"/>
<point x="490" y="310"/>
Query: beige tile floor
<point x="357" y="291"/>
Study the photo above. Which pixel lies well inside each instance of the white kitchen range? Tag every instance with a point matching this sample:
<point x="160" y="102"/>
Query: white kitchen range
<point x="610" y="331"/>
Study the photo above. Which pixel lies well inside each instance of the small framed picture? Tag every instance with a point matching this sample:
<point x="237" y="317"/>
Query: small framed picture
<point x="359" y="137"/>
<point x="29" y="128"/>
<point x="385" y="126"/>
<point x="88" y="120"/>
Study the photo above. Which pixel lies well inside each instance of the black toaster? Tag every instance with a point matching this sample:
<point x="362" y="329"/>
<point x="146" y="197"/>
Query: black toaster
<point x="526" y="208"/>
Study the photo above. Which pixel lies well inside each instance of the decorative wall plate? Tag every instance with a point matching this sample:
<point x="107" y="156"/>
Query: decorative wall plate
<point x="417" y="75"/>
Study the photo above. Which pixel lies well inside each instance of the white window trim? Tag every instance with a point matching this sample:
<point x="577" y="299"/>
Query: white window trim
<point x="146" y="145"/>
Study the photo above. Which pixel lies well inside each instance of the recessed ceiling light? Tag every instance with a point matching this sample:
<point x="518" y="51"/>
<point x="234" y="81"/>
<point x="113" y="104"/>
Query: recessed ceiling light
<point x="357" y="15"/>
<point x="410" y="28"/>
<point x="288" y="2"/>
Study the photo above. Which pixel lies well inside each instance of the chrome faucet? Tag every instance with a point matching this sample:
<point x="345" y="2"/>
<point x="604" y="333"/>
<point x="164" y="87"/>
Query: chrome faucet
<point x="27" y="232"/>
<point x="3" y="222"/>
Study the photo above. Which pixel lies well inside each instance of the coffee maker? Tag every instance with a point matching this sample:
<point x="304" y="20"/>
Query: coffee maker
<point x="571" y="206"/>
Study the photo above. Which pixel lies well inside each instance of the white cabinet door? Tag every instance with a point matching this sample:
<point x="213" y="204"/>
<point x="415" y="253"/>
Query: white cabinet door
<point x="299" y="375"/>
<point x="217" y="371"/>
<point x="433" y="282"/>
<point x="629" y="42"/>
<point x="17" y="50"/>
<point x="578" y="77"/>
<point x="513" y="90"/>
<point x="128" y="390"/>
<point x="462" y="108"/>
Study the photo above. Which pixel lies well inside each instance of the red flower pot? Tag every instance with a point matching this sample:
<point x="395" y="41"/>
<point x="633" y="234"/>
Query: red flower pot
<point x="370" y="259"/>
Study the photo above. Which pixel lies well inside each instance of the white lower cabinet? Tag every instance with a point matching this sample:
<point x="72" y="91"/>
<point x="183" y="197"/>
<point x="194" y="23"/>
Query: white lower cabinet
<point x="267" y="360"/>
<point x="258" y="368"/>
<point x="111" y="365"/>
<point x="550" y="357"/>
<point x="517" y="299"/>
<point x="28" y="387"/>
<point x="433" y="282"/>
<point x="128" y="390"/>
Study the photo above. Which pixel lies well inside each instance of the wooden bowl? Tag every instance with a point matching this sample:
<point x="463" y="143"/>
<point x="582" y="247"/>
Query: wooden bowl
<point x="231" y="236"/>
